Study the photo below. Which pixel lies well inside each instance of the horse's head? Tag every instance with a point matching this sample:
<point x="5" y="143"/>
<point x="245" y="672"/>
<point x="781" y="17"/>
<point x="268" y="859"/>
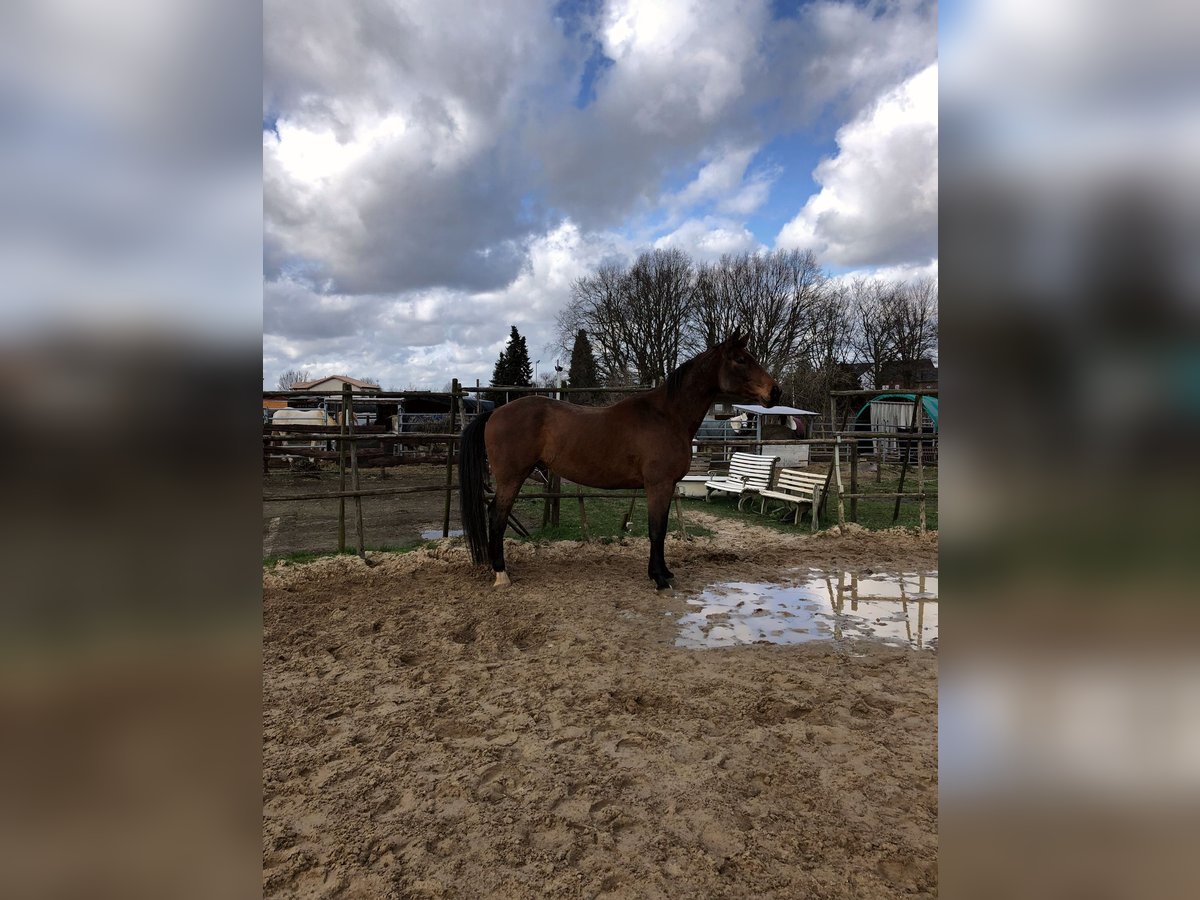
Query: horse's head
<point x="740" y="374"/>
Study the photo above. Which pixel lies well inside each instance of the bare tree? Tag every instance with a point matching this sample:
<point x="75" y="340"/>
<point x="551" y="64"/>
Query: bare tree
<point x="828" y="342"/>
<point x="597" y="306"/>
<point x="895" y="326"/>
<point x="719" y="308"/>
<point x="636" y="318"/>
<point x="661" y="299"/>
<point x="773" y="297"/>
<point x="914" y="321"/>
<point x="872" y="305"/>
<point x="820" y="368"/>
<point x="291" y="378"/>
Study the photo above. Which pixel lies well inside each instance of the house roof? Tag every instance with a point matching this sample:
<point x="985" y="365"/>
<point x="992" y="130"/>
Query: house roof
<point x="305" y="385"/>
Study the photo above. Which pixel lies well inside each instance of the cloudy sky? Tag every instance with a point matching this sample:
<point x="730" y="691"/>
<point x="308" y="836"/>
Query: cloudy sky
<point x="435" y="172"/>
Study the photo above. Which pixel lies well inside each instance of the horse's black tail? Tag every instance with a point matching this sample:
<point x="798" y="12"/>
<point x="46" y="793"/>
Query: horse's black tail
<point x="472" y="478"/>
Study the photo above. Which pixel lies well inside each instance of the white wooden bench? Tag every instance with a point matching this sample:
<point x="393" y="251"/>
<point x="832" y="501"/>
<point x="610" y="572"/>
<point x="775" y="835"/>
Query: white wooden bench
<point x="797" y="486"/>
<point x="748" y="475"/>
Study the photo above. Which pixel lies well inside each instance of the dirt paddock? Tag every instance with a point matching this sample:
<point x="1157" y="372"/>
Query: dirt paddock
<point x="427" y="736"/>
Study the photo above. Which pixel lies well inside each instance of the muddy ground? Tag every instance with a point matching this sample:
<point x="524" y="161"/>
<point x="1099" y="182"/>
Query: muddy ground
<point x="428" y="736"/>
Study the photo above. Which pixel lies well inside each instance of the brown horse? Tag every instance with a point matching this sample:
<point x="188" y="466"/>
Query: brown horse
<point x="644" y="441"/>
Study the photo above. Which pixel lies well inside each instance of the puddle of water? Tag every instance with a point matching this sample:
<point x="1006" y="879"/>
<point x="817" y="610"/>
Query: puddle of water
<point x="436" y="534"/>
<point x="897" y="609"/>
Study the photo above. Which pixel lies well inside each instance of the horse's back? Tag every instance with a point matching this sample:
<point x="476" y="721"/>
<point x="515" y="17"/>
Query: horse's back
<point x="307" y="416"/>
<point x="598" y="446"/>
<point x="534" y="421"/>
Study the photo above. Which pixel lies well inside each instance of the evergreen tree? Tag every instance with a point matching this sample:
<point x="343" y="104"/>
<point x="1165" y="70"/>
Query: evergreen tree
<point x="583" y="371"/>
<point x="498" y="377"/>
<point x="522" y="368"/>
<point x="512" y="367"/>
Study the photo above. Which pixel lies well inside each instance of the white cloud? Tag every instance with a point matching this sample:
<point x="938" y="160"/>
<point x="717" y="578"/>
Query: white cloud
<point x="908" y="272"/>
<point x="316" y="154"/>
<point x="398" y="163"/>
<point x="878" y="199"/>
<point x="717" y="178"/>
<point x="842" y="55"/>
<point x="752" y="195"/>
<point x="426" y="337"/>
<point x="421" y="145"/>
<point x="680" y="57"/>
<point x="434" y="181"/>
<point x="723" y="182"/>
<point x="707" y="239"/>
<point x="904" y="272"/>
<point x="555" y="260"/>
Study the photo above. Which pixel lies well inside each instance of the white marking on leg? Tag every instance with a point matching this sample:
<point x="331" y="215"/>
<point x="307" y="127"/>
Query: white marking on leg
<point x="502" y="580"/>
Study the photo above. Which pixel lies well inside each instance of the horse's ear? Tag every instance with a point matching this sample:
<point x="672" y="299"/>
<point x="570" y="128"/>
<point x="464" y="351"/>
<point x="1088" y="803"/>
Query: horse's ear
<point x="739" y="339"/>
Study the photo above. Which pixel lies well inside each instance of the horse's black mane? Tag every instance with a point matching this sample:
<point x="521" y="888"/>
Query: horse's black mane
<point x="675" y="379"/>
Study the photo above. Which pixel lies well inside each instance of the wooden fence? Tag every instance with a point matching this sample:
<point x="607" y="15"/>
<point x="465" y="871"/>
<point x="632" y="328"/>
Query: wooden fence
<point x="348" y="435"/>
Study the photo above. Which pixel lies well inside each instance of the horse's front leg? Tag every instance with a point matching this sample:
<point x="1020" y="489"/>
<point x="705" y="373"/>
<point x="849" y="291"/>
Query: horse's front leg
<point x="658" y="502"/>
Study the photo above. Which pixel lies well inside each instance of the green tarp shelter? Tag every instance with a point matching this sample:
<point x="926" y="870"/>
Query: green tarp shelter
<point x="930" y="404"/>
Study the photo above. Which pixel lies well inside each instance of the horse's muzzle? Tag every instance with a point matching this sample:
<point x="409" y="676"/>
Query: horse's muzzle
<point x="773" y="397"/>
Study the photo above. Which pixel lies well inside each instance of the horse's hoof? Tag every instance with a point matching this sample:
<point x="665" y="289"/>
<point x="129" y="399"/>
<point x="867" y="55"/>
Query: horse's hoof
<point x="662" y="584"/>
<point x="502" y="580"/>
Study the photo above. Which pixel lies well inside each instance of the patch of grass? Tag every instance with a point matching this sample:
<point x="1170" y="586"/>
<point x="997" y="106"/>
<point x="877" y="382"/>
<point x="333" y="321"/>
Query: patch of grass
<point x="306" y="556"/>
<point x="877" y="514"/>
<point x="603" y="517"/>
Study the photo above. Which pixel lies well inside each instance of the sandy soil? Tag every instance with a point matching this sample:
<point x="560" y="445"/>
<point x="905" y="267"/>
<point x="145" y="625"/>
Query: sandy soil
<point x="428" y="736"/>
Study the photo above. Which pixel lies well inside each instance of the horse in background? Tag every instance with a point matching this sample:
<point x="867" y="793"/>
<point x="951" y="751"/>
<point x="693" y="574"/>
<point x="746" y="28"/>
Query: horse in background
<point x="302" y="420"/>
<point x="644" y="441"/>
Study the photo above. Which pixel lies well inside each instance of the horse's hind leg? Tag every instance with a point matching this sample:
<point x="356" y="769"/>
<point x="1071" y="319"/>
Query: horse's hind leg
<point x="506" y="496"/>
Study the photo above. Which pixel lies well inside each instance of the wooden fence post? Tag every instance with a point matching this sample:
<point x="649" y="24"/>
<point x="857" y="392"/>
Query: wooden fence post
<point x="683" y="532"/>
<point x="342" y="471"/>
<point x="583" y="522"/>
<point x="878" y="458"/>
<point x="832" y="415"/>
<point x="837" y="468"/>
<point x="904" y="460"/>
<point x="358" y="516"/>
<point x="450" y="457"/>
<point x="854" y="481"/>
<point x="920" y="466"/>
